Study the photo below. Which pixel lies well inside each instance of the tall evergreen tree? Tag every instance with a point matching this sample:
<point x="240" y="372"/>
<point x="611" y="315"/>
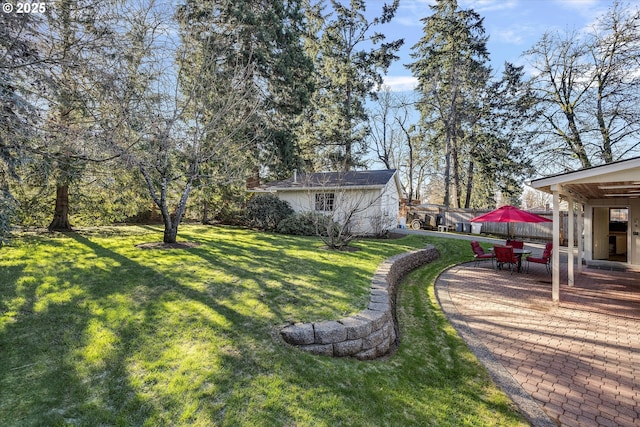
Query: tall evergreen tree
<point x="450" y="65"/>
<point x="74" y="40"/>
<point x="349" y="58"/>
<point x="498" y="159"/>
<point x="266" y="36"/>
<point x="18" y="53"/>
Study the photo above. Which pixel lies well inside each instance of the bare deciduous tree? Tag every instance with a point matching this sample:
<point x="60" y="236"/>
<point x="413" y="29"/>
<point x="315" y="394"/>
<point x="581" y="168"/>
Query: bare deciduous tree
<point x="396" y="139"/>
<point x="588" y="96"/>
<point x="181" y="111"/>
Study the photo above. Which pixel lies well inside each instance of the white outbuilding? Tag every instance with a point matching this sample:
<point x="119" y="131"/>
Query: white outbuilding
<point x="371" y="198"/>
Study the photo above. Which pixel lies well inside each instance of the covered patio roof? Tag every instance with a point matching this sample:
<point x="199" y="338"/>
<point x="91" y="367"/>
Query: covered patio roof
<point x="618" y="179"/>
<point x="617" y="182"/>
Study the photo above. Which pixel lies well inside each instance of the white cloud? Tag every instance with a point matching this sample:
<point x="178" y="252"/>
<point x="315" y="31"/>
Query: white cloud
<point x="411" y="11"/>
<point x="420" y="8"/>
<point x="483" y="6"/>
<point x="408" y="21"/>
<point x="577" y="4"/>
<point x="510" y="36"/>
<point x="400" y="83"/>
<point x="416" y="5"/>
<point x="588" y="9"/>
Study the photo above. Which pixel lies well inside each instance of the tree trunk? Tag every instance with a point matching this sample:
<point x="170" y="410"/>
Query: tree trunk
<point x="576" y="141"/>
<point x="170" y="225"/>
<point x="171" y="222"/>
<point x="60" y="220"/>
<point x="455" y="172"/>
<point x="205" y="212"/>
<point x="410" y="145"/>
<point x="348" y="143"/>
<point x="170" y="233"/>
<point x="455" y="161"/>
<point x="607" y="152"/>
<point x="447" y="169"/>
<point x="470" y="172"/>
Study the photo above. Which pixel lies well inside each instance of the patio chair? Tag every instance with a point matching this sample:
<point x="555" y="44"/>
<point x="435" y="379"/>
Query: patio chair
<point x="505" y="255"/>
<point x="479" y="254"/>
<point x="515" y="244"/>
<point x="544" y="259"/>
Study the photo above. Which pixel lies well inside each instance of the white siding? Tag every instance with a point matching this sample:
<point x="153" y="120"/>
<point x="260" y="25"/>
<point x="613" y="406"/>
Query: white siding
<point x="377" y="210"/>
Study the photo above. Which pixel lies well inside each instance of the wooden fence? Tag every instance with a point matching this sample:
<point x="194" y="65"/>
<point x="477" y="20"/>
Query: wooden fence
<point x="460" y="220"/>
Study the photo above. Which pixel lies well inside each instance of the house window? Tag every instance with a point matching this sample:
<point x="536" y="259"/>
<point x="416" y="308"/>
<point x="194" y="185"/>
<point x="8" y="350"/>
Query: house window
<point x="618" y="214"/>
<point x="324" y="201"/>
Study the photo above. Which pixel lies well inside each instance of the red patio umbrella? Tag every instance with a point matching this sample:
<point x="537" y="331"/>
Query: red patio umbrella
<point x="509" y="214"/>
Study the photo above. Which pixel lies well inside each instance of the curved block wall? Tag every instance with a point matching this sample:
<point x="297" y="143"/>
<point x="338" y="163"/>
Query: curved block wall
<point x="372" y="332"/>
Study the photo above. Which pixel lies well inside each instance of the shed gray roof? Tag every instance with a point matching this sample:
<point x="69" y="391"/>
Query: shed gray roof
<point x="375" y="178"/>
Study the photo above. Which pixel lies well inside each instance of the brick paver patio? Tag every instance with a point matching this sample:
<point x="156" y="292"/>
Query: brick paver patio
<point x="578" y="360"/>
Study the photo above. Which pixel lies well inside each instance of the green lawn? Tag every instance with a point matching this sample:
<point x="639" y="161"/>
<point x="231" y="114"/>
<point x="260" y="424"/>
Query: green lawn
<point x="94" y="331"/>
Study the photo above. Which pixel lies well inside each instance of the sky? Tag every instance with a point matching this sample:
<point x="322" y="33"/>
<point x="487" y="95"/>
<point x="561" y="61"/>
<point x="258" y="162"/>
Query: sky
<point x="513" y="26"/>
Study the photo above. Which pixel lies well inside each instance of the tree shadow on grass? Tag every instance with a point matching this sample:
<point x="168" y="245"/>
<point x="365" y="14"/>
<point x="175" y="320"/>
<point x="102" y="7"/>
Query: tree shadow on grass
<point x="249" y="359"/>
<point x="281" y="266"/>
<point x="109" y="339"/>
<point x="92" y="344"/>
<point x="135" y="339"/>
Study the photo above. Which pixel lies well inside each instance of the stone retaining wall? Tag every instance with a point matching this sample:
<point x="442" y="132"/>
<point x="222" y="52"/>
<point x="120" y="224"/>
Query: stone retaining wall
<point x="372" y="332"/>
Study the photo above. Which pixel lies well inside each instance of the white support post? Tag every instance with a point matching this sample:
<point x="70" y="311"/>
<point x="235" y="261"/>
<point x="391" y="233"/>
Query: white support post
<point x="555" y="258"/>
<point x="570" y="243"/>
<point x="580" y="225"/>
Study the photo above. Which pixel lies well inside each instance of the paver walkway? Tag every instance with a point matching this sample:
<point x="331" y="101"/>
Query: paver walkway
<point x="578" y="360"/>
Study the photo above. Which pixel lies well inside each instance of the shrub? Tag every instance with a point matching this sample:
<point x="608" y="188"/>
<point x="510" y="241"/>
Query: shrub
<point x="265" y="212"/>
<point x="225" y="204"/>
<point x="230" y="214"/>
<point x="338" y="235"/>
<point x="304" y="224"/>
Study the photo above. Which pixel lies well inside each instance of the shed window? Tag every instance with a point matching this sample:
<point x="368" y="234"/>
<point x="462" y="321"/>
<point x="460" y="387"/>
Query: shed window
<point x="324" y="201"/>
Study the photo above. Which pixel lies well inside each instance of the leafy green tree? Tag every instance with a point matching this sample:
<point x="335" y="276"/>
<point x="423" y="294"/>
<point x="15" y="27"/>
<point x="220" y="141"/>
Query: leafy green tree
<point x="349" y="58"/>
<point x="220" y="204"/>
<point x="17" y="52"/>
<point x="497" y="141"/>
<point x="474" y="125"/>
<point x="52" y="62"/>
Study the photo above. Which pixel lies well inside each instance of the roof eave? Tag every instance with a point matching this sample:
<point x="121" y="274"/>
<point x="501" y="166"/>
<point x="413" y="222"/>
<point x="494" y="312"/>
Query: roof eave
<point x="568" y="177"/>
<point x="326" y="188"/>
